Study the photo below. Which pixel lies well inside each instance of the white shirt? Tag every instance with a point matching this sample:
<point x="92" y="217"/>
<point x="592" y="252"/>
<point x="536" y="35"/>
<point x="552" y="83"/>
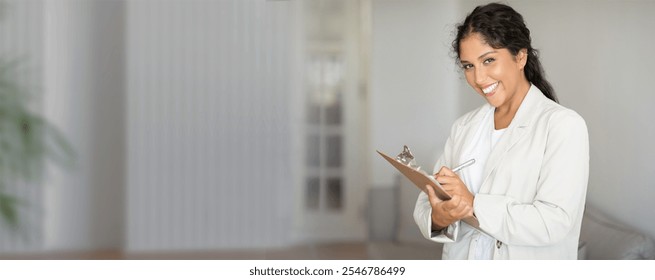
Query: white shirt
<point x="481" y="146"/>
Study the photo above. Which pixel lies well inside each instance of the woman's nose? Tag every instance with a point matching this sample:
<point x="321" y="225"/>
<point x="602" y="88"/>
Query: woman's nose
<point x="480" y="75"/>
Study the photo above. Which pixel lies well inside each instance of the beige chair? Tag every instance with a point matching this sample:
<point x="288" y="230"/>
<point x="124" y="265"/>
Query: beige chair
<point x="603" y="238"/>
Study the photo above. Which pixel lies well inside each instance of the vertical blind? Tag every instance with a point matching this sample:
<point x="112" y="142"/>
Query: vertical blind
<point x="208" y="94"/>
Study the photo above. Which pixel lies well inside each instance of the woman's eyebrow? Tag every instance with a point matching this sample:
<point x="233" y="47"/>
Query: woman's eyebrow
<point x="479" y="57"/>
<point x="485" y="54"/>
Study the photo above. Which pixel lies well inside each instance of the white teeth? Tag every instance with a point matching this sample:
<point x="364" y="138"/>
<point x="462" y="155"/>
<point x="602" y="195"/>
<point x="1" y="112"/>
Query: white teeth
<point x="490" y="88"/>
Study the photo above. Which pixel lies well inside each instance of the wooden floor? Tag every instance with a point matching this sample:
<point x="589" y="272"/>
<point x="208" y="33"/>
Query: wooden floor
<point x="311" y="252"/>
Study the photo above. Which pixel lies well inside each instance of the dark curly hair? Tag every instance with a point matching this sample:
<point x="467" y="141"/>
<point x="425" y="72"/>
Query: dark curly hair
<point x="502" y="27"/>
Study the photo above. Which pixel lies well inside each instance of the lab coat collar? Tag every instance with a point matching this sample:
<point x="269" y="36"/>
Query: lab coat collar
<point x="515" y="131"/>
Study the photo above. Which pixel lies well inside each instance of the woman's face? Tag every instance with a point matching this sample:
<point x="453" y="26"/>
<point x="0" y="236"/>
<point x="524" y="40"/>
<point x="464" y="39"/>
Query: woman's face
<point x="495" y="74"/>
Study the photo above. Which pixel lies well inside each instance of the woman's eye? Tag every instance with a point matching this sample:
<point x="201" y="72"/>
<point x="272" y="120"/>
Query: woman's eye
<point x="489" y="60"/>
<point x="467" y="66"/>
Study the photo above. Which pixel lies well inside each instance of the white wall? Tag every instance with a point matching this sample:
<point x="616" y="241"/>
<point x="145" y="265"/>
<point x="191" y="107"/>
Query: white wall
<point x="597" y="55"/>
<point x="413" y="93"/>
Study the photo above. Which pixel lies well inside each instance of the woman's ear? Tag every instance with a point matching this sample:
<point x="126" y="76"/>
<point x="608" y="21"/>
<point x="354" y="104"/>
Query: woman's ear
<point x="522" y="58"/>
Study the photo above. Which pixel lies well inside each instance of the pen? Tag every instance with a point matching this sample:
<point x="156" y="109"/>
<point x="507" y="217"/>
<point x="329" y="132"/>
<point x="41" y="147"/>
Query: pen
<point x="465" y="164"/>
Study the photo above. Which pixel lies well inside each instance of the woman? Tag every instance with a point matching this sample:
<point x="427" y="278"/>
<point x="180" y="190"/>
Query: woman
<point x="527" y="187"/>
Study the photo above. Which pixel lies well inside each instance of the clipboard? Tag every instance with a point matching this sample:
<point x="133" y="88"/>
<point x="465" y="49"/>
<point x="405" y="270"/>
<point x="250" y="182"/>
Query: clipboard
<point x="419" y="177"/>
<point x="422" y="179"/>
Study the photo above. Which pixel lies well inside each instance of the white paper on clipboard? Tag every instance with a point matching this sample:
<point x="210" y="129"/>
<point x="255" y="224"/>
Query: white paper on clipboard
<point x="422" y="179"/>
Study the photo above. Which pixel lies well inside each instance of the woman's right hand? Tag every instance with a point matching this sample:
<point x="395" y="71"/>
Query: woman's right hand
<point x="446" y="212"/>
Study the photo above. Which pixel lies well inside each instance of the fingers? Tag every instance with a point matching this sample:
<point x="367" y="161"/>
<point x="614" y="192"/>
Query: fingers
<point x="445" y="171"/>
<point x="445" y="174"/>
<point x="432" y="196"/>
<point x="441" y="172"/>
<point x="446" y="180"/>
<point x="447" y="212"/>
<point x="452" y="185"/>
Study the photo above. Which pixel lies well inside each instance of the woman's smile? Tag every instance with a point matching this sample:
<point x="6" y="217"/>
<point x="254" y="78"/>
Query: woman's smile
<point x="489" y="90"/>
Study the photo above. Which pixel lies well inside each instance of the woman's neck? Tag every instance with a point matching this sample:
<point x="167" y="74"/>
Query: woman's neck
<point x="503" y="115"/>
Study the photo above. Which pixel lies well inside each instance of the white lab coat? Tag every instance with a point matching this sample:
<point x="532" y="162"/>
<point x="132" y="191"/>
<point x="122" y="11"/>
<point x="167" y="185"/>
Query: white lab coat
<point x="533" y="193"/>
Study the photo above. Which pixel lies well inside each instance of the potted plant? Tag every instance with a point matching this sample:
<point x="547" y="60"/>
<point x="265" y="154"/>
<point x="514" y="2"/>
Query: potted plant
<point x="26" y="141"/>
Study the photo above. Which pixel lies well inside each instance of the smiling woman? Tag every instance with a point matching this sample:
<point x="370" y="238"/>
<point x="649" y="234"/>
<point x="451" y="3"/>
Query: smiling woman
<point x="528" y="185"/>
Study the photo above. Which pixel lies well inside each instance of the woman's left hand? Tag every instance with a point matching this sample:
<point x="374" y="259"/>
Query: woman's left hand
<point x="454" y="185"/>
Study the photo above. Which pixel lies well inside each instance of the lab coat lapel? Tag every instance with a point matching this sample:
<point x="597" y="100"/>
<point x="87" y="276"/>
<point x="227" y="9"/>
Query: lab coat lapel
<point x="516" y="130"/>
<point x="470" y="129"/>
<point x="511" y="137"/>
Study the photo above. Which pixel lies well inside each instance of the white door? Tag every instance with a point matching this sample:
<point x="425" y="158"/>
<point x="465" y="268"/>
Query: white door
<point x="332" y="180"/>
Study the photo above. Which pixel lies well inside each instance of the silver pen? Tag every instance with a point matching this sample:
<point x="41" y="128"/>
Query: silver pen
<point x="465" y="164"/>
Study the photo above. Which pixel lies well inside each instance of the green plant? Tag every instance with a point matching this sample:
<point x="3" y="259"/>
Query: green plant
<point x="26" y="142"/>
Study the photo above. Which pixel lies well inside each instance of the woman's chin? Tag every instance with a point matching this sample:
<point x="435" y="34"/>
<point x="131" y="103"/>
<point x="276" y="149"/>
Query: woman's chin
<point x="490" y="98"/>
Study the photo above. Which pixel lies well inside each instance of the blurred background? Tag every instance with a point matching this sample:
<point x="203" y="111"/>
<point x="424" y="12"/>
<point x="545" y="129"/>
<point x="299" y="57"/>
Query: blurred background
<point x="247" y="129"/>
